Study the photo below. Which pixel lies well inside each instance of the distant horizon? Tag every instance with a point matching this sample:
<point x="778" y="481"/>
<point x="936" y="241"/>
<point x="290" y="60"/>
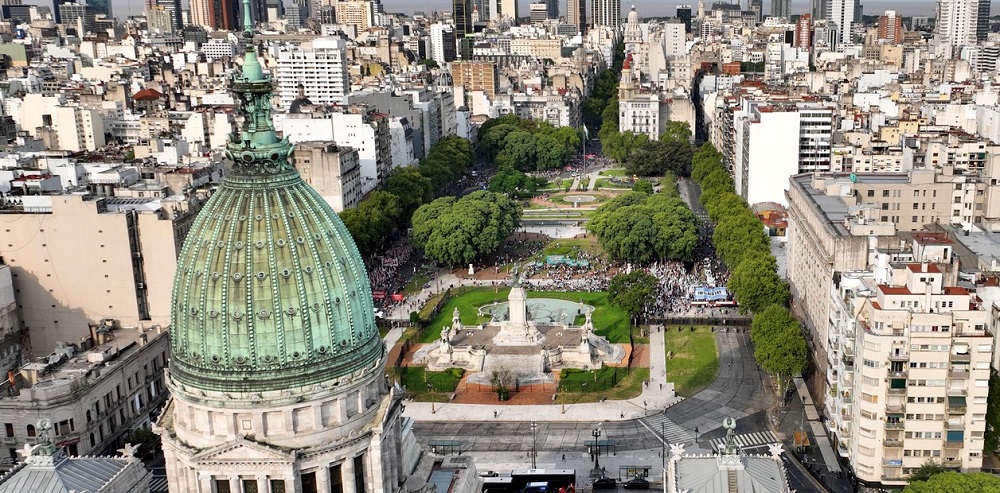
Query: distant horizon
<point x="647" y="8"/>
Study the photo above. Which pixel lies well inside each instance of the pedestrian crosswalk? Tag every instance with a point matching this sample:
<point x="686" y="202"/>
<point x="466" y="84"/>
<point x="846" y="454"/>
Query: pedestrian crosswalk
<point x="158" y="484"/>
<point x="747" y="440"/>
<point x="672" y="432"/>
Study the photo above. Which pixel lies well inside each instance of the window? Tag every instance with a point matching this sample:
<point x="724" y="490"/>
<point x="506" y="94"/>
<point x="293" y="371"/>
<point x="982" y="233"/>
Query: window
<point x="9" y="428"/>
<point x="250" y="486"/>
<point x="336" y="479"/>
<point x="359" y="473"/>
<point x="309" y="482"/>
<point x="277" y="486"/>
<point x="871" y="193"/>
<point x="222" y="486"/>
<point x="31" y="430"/>
<point x="885" y="193"/>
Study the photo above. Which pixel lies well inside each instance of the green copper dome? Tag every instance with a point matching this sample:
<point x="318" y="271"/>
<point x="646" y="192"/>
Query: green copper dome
<point x="270" y="291"/>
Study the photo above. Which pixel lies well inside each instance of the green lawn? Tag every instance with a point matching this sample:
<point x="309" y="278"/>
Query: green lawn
<point x="613" y="172"/>
<point x="693" y="358"/>
<point x="426" y="385"/>
<point x="604" y="183"/>
<point x="416" y="284"/>
<point x="598" y="198"/>
<point x="629" y="386"/>
<point x="609" y="321"/>
<point x="568" y="246"/>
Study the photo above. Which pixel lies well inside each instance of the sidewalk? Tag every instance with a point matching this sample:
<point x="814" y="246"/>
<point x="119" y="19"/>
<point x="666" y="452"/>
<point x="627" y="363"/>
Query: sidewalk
<point x="656" y="396"/>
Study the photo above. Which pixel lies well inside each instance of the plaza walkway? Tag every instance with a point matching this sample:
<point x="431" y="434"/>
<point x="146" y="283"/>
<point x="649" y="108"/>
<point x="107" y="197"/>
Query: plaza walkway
<point x="658" y="394"/>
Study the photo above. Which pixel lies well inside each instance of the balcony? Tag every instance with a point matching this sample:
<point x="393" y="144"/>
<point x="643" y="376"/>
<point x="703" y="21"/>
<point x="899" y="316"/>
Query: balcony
<point x="954" y="426"/>
<point x="894" y="425"/>
<point x="9" y="440"/>
<point x="897" y="373"/>
<point x="953" y="445"/>
<point x="898" y="356"/>
<point x="958" y="375"/>
<point x="897" y="391"/>
<point x="962" y="358"/>
<point x="892" y="462"/>
<point x="956" y="404"/>
<point x="895" y="407"/>
<point x="952" y="462"/>
<point x="957" y="392"/>
<point x="892" y="442"/>
<point x="895" y="477"/>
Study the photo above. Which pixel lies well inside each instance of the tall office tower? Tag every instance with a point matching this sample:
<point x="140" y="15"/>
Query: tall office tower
<point x="957" y="22"/>
<point x="507" y="9"/>
<point x="360" y="14"/>
<point x="214" y="14"/>
<point x="803" y="31"/>
<point x="757" y="7"/>
<point x="538" y="12"/>
<point x="77" y="14"/>
<point x="983" y="20"/>
<point x="844" y="13"/>
<point x="277" y="371"/>
<point x="576" y="14"/>
<point x="174" y="7"/>
<point x="159" y="20"/>
<point x="320" y="67"/>
<point x="890" y="27"/>
<point x="684" y="15"/>
<point x="552" y="6"/>
<point x="781" y="8"/>
<point x="100" y="7"/>
<point x="608" y="13"/>
<point x="462" y="15"/>
<point x="443" y="46"/>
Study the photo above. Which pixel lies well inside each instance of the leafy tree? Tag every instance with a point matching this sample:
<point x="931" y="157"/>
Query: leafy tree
<point x="956" y="482"/>
<point x="513" y="183"/>
<point x="756" y="285"/>
<point x="372" y="220"/>
<point x="459" y="231"/>
<point x="643" y="186"/>
<point x="991" y="441"/>
<point x="411" y="189"/>
<point x="657" y="157"/>
<point x="640" y="228"/>
<point x="429" y="62"/>
<point x="633" y="291"/>
<point x="677" y="131"/>
<point x="779" y="346"/>
<point x="928" y="469"/>
<point x="147" y="441"/>
<point x="501" y="381"/>
<point x="621" y="145"/>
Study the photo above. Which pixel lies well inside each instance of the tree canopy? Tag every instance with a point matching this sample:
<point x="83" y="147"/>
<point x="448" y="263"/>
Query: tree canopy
<point x="633" y="291"/>
<point x="677" y="131"/>
<point x="525" y="144"/>
<point x="641" y="228"/>
<point x="991" y="440"/>
<point x="779" y="346"/>
<point x="956" y="482"/>
<point x="658" y="157"/>
<point x="459" y="231"/>
<point x="372" y="221"/>
<point x="513" y="183"/>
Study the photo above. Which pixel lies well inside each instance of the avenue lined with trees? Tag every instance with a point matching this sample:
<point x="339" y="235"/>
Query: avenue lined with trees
<point x="642" y="227"/>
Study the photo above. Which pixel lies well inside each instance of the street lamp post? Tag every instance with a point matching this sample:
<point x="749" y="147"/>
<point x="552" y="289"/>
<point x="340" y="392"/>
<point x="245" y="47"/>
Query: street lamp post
<point x="596" y="433"/>
<point x="534" y="450"/>
<point x="696" y="435"/>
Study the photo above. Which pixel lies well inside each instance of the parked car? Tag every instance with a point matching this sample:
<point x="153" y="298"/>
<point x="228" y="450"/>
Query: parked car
<point x="637" y="483"/>
<point x="605" y="483"/>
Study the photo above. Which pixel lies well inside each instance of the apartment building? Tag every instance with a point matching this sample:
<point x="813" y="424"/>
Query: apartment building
<point x="77" y="259"/>
<point x="334" y="172"/>
<point x="93" y="392"/>
<point x="320" y="66"/>
<point x="476" y="75"/>
<point x="909" y="365"/>
<point x="762" y="150"/>
<point x="890" y="27"/>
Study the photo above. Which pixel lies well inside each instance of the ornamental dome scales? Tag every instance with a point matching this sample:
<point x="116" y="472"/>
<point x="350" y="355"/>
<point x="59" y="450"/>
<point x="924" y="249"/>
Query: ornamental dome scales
<point x="270" y="291"/>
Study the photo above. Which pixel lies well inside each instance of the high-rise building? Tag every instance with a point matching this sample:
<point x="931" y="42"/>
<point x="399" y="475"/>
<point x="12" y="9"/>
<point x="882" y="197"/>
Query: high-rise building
<point x="443" y="46"/>
<point x="958" y="22"/>
<point x="75" y="15"/>
<point x="538" y="12"/>
<point x="552" y="6"/>
<point x="890" y="27"/>
<point x="213" y="14"/>
<point x="757" y="7"/>
<point x="320" y="66"/>
<point x="803" y="31"/>
<point x="508" y="9"/>
<point x="359" y="14"/>
<point x="684" y="15"/>
<point x="983" y="20"/>
<point x="160" y="20"/>
<point x="276" y="368"/>
<point x="781" y="8"/>
<point x="576" y="14"/>
<point x="100" y="7"/>
<point x="476" y="75"/>
<point x="462" y="15"/>
<point x="608" y="13"/>
<point x="843" y="13"/>
<point x="174" y="7"/>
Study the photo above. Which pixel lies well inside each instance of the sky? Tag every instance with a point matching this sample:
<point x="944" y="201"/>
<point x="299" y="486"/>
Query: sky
<point x="124" y="8"/>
